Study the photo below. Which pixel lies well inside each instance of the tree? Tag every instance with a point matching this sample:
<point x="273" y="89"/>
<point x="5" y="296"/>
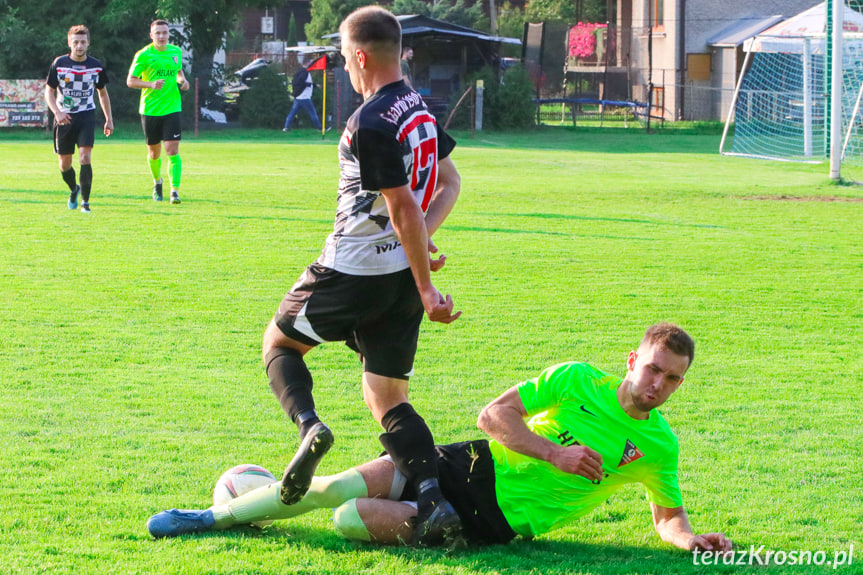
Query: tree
<point x="454" y="12"/>
<point x="328" y="14"/>
<point x="206" y="25"/>
<point x="266" y="103"/>
<point x="566" y="10"/>
<point x="292" y="31"/>
<point x="31" y="40"/>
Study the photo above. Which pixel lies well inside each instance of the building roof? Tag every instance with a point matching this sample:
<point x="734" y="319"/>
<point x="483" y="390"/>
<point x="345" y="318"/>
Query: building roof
<point x="416" y="25"/>
<point x="741" y="30"/>
<point x="788" y="36"/>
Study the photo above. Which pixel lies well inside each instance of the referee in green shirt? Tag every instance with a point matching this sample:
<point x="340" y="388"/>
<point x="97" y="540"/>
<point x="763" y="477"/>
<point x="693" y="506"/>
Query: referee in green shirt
<point x="157" y="71"/>
<point x="561" y="444"/>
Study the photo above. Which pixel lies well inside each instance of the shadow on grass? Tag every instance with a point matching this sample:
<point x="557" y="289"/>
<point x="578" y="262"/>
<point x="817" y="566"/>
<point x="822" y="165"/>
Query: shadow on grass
<point x="600" y="219"/>
<point x="519" y="556"/>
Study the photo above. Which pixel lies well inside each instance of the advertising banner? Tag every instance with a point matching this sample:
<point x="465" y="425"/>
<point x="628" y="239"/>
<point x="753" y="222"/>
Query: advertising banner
<point x="22" y="103"/>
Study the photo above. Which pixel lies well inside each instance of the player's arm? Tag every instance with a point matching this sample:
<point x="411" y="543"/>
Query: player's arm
<point x="409" y="224"/>
<point x="444" y="196"/>
<point x="672" y="525"/>
<point x="105" y="102"/>
<point x="504" y="419"/>
<point x="60" y="117"/>
<point x="182" y="81"/>
<point x="442" y="202"/>
<point x="138" y="83"/>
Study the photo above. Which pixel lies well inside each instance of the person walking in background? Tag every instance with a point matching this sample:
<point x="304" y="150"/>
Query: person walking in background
<point x="157" y="71"/>
<point x="301" y="89"/>
<point x="74" y="77"/>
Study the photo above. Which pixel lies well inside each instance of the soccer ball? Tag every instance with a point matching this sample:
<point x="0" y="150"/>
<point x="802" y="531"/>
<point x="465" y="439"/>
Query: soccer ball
<point x="240" y="480"/>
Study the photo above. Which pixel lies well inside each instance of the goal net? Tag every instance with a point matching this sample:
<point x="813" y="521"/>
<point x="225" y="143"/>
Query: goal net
<point x="782" y="102"/>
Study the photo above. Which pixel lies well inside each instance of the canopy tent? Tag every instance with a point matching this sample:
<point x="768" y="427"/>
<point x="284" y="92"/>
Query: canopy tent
<point x="788" y="37"/>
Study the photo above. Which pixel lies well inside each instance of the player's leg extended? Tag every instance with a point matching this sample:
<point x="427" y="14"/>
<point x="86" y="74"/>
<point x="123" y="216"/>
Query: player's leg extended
<point x="292" y="383"/>
<point x="375" y="479"/>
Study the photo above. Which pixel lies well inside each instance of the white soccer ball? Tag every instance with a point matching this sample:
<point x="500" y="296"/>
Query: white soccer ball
<point x="239" y="480"/>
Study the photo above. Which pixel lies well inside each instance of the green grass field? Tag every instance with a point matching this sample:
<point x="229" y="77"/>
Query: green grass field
<point x="130" y="349"/>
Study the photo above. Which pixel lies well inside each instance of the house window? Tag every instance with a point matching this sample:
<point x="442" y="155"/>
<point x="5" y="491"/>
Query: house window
<point x="657" y="13"/>
<point x="658" y="102"/>
<point x="698" y="67"/>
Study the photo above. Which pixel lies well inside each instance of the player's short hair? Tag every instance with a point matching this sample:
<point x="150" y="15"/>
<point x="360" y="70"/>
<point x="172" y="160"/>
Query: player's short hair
<point x="159" y="22"/>
<point x="374" y="28"/>
<point x="671" y="337"/>
<point x="78" y="29"/>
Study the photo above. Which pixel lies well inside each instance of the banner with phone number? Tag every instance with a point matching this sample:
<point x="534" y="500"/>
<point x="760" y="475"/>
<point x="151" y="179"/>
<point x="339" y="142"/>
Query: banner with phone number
<point x="22" y="103"/>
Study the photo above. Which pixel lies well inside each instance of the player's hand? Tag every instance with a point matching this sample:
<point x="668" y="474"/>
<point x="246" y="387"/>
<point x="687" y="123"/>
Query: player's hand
<point x="435" y="264"/>
<point x="109" y="128"/>
<point x="185" y="85"/>
<point x="578" y="460"/>
<point x="710" y="542"/>
<point x="62" y="118"/>
<point x="157" y="85"/>
<point x="437" y="307"/>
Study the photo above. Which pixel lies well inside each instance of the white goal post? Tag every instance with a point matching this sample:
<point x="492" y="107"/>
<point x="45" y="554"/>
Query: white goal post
<point x="788" y="106"/>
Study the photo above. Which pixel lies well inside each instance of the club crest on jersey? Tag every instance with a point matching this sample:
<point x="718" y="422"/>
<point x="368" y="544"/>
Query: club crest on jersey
<point x="630" y="453"/>
<point x="175" y="60"/>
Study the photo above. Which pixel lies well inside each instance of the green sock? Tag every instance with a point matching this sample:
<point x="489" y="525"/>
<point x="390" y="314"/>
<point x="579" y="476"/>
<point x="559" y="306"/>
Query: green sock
<point x="175" y="168"/>
<point x="264" y="503"/>
<point x="155" y="168"/>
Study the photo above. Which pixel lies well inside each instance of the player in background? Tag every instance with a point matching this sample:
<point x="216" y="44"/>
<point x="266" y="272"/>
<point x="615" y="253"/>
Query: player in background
<point x="562" y="444"/>
<point x="372" y="281"/>
<point x="157" y="71"/>
<point x="74" y="77"/>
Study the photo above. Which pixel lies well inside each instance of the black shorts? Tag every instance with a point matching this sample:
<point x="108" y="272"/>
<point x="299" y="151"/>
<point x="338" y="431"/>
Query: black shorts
<point x="467" y="481"/>
<point x="377" y="316"/>
<point x="161" y="128"/>
<point x="80" y="131"/>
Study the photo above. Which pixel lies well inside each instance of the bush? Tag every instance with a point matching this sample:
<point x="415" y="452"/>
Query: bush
<point x="507" y="104"/>
<point x="513" y="106"/>
<point x="266" y="103"/>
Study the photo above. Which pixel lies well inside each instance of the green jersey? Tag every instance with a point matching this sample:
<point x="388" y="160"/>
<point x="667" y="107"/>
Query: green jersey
<point x="151" y="65"/>
<point x="576" y="404"/>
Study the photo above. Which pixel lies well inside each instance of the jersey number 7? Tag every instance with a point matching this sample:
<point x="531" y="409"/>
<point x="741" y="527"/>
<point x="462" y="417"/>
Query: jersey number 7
<point x="424" y="177"/>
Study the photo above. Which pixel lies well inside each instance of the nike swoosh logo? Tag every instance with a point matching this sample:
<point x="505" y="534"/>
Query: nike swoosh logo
<point x="176" y="135"/>
<point x="587" y="411"/>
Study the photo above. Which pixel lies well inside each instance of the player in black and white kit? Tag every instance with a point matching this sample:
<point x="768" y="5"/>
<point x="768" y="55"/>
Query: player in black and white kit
<point x="74" y="78"/>
<point x="372" y="282"/>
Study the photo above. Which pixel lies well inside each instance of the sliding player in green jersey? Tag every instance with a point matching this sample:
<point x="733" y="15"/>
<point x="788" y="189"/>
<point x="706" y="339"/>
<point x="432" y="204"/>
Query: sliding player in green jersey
<point x="157" y="71"/>
<point x="562" y="443"/>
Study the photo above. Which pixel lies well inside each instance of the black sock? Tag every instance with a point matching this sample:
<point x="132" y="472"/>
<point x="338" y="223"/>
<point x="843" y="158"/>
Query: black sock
<point x="69" y="178"/>
<point x="411" y="445"/>
<point x="306" y="420"/>
<point x="291" y="382"/>
<point x="86" y="181"/>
